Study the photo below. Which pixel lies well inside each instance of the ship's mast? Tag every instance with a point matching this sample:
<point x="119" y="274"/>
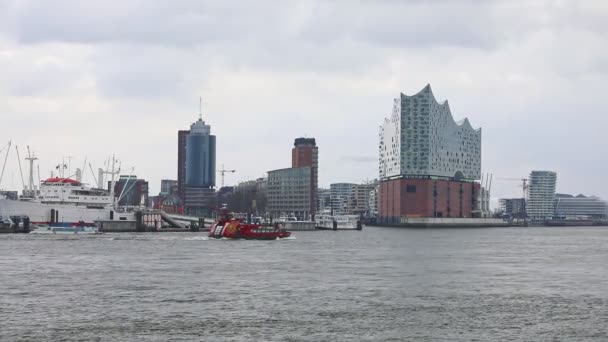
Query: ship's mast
<point x="113" y="173"/>
<point x="5" y="159"/>
<point x="31" y="158"/>
<point x="20" y="170"/>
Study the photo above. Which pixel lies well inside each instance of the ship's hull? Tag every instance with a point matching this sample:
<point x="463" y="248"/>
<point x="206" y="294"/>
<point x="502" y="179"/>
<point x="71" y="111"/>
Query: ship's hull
<point x="41" y="212"/>
<point x="66" y="230"/>
<point x="338" y="222"/>
<point x="239" y="230"/>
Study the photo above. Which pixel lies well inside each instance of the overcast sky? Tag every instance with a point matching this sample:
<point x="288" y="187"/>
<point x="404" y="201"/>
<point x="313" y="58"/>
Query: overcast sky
<point x="94" y="78"/>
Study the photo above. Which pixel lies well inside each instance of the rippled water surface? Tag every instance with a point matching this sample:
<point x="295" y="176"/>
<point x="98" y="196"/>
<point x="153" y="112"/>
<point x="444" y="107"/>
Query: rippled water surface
<point x="381" y="284"/>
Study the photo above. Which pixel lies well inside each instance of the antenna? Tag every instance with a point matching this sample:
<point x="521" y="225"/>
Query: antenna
<point x="94" y="178"/>
<point x="20" y="170"/>
<point x="31" y="158"/>
<point x="39" y="182"/>
<point x="83" y="170"/>
<point x="200" y="108"/>
<point x="5" y="159"/>
<point x="69" y="164"/>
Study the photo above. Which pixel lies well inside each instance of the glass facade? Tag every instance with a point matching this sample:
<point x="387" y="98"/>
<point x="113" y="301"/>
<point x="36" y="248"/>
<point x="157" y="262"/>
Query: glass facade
<point x="422" y="139"/>
<point x="580" y="207"/>
<point x="289" y="192"/>
<point x="541" y="195"/>
<point x="200" y="156"/>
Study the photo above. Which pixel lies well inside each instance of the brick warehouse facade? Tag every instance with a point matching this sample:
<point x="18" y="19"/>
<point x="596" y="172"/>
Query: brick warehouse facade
<point x="426" y="198"/>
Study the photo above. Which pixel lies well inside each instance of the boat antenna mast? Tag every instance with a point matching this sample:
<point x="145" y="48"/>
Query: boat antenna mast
<point x="94" y="177"/>
<point x="113" y="173"/>
<point x="5" y="159"/>
<point x="20" y="170"/>
<point x="31" y="157"/>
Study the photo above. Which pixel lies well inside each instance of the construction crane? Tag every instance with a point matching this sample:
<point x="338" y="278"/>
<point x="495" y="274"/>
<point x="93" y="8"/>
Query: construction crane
<point x="524" y="186"/>
<point x="223" y="172"/>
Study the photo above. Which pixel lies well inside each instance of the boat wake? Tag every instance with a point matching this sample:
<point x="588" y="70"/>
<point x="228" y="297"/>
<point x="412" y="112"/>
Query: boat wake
<point x="197" y="238"/>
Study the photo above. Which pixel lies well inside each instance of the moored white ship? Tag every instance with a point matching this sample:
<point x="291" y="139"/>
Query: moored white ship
<point x="65" y="200"/>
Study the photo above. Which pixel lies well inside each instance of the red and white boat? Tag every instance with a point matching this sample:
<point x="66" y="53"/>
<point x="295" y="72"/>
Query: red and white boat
<point x="227" y="226"/>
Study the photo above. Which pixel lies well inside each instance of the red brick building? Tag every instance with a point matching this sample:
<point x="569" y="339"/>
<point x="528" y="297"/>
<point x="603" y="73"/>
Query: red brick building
<point x="305" y="153"/>
<point x="426" y="198"/>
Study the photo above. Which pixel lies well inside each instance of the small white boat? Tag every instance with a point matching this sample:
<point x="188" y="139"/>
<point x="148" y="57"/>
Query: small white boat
<point x="328" y="221"/>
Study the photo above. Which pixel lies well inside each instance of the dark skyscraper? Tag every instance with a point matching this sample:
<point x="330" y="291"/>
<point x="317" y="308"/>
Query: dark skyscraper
<point x="200" y="156"/>
<point x="196" y="168"/>
<point x="181" y="163"/>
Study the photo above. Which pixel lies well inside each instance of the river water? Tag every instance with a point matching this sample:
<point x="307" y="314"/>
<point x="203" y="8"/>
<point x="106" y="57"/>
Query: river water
<point x="380" y="284"/>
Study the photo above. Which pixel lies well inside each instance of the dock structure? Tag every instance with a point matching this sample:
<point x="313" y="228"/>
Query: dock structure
<point x="435" y="222"/>
<point x="151" y="220"/>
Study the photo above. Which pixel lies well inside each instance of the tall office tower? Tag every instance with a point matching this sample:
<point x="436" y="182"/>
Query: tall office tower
<point x="200" y="169"/>
<point x="305" y="153"/>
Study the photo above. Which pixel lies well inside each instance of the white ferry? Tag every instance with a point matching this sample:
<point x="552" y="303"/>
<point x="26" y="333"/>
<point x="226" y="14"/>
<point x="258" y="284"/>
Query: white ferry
<point x="328" y="221"/>
<point x="64" y="200"/>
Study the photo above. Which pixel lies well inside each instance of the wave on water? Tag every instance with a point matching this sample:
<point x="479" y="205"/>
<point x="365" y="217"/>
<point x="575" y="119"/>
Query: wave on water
<point x="288" y="238"/>
<point x="197" y="238"/>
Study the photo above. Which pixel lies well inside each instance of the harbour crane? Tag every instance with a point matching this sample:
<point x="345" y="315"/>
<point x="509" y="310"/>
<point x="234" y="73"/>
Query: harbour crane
<point x="524" y="186"/>
<point x="223" y="172"/>
<point x="8" y="148"/>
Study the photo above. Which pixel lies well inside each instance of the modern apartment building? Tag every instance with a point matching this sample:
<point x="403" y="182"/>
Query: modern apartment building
<point x="340" y="194"/>
<point x="540" y="204"/>
<point x="293" y="191"/>
<point x="373" y="201"/>
<point x="359" y="200"/>
<point x="168" y="186"/>
<point x="580" y="207"/>
<point x="513" y="207"/>
<point x="289" y="193"/>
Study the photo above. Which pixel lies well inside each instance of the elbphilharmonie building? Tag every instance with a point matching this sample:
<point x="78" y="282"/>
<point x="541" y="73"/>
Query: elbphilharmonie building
<point x="428" y="162"/>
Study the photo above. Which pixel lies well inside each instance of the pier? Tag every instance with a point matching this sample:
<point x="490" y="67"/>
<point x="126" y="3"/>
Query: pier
<point x="157" y="221"/>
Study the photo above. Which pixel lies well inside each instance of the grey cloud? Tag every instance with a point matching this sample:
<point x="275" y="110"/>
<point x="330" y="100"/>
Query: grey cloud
<point x="525" y="71"/>
<point x="142" y="72"/>
<point x="186" y="23"/>
<point x="172" y="23"/>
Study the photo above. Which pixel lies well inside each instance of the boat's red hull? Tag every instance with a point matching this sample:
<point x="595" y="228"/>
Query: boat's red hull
<point x="236" y="229"/>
